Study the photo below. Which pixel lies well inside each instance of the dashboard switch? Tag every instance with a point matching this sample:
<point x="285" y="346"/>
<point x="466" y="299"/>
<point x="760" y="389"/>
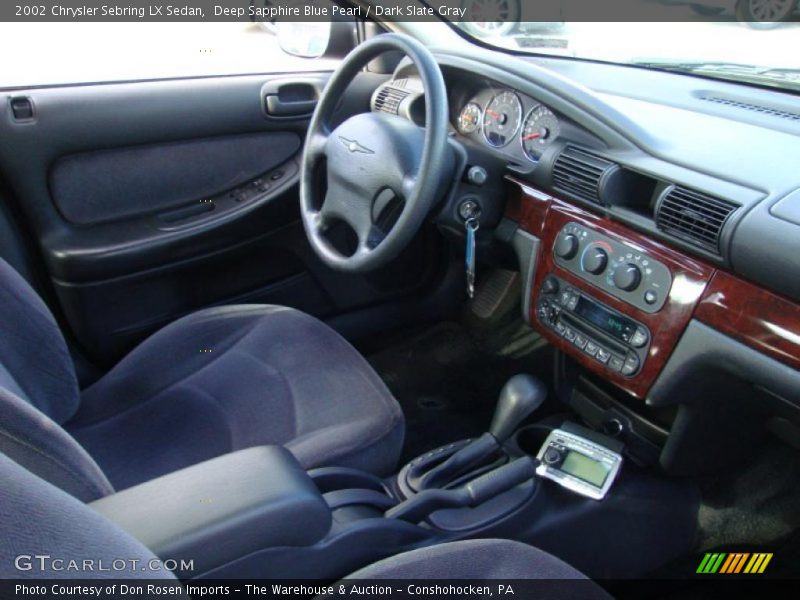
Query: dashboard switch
<point x="477" y="175"/>
<point x="616" y="363"/>
<point x="639" y="338"/>
<point x="631" y="365"/>
<point x="595" y="260"/>
<point x="603" y="355"/>
<point x="550" y="285"/>
<point x="650" y="297"/>
<point x="567" y="245"/>
<point x="627" y="277"/>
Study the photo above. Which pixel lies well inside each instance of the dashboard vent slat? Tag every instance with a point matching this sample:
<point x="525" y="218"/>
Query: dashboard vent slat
<point x="389" y="98"/>
<point x="764" y="110"/>
<point x="695" y="217"/>
<point x="579" y="173"/>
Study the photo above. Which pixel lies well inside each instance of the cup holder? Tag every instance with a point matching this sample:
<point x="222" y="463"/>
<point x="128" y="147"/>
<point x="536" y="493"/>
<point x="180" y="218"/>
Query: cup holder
<point x="530" y="439"/>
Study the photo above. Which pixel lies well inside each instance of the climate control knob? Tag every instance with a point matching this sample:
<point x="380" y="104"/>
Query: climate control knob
<point x="627" y="277"/>
<point x="595" y="260"/>
<point x="567" y="245"/>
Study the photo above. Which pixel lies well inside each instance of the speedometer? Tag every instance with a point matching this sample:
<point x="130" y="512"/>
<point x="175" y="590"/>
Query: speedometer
<point x="541" y="129"/>
<point x="501" y="119"/>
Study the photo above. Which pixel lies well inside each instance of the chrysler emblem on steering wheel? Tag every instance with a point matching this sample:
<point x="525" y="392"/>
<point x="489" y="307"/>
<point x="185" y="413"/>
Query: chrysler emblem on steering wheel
<point x="354" y="146"/>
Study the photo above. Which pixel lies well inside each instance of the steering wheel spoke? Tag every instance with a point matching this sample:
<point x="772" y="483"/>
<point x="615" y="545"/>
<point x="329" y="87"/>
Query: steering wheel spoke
<point x="316" y="146"/>
<point x="345" y="205"/>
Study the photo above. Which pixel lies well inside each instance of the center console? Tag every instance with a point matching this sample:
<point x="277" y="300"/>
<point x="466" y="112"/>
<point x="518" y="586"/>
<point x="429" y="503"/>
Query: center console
<point x="614" y="300"/>
<point x="556" y="485"/>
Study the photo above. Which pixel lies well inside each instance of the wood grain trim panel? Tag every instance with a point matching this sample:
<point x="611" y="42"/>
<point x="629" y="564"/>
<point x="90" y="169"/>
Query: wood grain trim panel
<point x="527" y="205"/>
<point x="690" y="278"/>
<point x="760" y="319"/>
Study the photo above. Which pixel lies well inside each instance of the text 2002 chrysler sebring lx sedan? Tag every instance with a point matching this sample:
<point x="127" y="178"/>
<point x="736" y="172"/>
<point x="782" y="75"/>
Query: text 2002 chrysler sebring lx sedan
<point x="406" y="303"/>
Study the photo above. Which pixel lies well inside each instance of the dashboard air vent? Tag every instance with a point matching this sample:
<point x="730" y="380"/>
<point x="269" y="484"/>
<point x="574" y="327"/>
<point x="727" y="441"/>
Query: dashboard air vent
<point x="388" y="100"/>
<point x="579" y="173"/>
<point x="764" y="110"/>
<point x="693" y="216"/>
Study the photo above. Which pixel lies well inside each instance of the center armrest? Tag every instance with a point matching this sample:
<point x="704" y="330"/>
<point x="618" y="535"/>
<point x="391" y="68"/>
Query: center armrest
<point x="223" y="509"/>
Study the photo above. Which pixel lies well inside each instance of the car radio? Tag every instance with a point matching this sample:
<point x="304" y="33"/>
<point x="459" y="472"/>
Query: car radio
<point x="575" y="458"/>
<point x="600" y="332"/>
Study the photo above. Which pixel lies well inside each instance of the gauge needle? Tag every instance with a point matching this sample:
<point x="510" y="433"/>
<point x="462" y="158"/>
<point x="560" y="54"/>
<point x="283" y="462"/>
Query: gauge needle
<point x="492" y="113"/>
<point x="532" y="136"/>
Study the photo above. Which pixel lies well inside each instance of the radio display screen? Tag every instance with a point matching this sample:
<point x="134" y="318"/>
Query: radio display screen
<point x="614" y="324"/>
<point x="585" y="468"/>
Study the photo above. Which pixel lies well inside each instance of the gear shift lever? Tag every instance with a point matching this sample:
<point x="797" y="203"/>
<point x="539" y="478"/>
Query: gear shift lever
<point x="520" y="396"/>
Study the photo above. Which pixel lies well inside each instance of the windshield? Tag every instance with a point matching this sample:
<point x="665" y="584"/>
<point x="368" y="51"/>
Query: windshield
<point x="749" y="52"/>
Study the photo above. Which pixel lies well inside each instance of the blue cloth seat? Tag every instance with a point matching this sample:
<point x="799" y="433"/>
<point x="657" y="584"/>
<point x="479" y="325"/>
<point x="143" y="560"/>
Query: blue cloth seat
<point x="216" y="381"/>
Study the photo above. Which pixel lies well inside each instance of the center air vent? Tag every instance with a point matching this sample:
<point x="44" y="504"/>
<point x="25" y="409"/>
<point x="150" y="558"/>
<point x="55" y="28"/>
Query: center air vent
<point x="579" y="173"/>
<point x="693" y="216"/>
<point x="388" y="100"/>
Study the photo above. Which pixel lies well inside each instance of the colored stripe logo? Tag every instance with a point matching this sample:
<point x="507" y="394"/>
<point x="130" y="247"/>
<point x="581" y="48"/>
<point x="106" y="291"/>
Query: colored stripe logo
<point x="734" y="562"/>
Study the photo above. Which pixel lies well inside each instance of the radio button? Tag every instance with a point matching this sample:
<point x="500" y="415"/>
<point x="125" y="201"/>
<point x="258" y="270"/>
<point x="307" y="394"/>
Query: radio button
<point x="591" y="348"/>
<point x="569" y="335"/>
<point x="603" y="355"/>
<point x="573" y="302"/>
<point x="631" y="365"/>
<point x="546" y="312"/>
<point x="580" y="341"/>
<point x="550" y="285"/>
<point x="639" y="338"/>
<point x="615" y="363"/>
<point x="560" y="328"/>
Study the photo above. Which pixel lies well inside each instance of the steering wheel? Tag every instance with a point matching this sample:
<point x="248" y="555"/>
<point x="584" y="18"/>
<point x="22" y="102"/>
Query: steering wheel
<point x="371" y="157"/>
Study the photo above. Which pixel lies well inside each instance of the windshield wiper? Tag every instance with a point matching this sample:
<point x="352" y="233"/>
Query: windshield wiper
<point x="772" y="76"/>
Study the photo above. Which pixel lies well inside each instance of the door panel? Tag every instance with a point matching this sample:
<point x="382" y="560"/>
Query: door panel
<point x="97" y="187"/>
<point x="153" y="199"/>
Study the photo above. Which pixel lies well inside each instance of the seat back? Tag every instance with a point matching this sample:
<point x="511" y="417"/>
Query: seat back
<point x="42" y="528"/>
<point x="34" y="357"/>
<point x="39" y="392"/>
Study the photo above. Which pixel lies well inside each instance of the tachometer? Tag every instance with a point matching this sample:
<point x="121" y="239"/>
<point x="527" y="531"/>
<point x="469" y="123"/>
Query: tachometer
<point x="501" y="119"/>
<point x="469" y="118"/>
<point x="540" y="129"/>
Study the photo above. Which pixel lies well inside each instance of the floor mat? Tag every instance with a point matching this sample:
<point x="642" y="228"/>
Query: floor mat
<point x="447" y="380"/>
<point x="759" y="504"/>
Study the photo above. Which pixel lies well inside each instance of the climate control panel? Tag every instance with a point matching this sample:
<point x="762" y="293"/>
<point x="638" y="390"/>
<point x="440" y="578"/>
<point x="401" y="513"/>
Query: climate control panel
<point x="618" y="269"/>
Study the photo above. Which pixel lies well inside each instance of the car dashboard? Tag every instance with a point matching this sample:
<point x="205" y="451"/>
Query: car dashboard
<point x="646" y="257"/>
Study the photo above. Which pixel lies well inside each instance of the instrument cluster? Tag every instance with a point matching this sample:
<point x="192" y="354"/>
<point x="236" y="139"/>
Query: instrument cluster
<point x="512" y="123"/>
